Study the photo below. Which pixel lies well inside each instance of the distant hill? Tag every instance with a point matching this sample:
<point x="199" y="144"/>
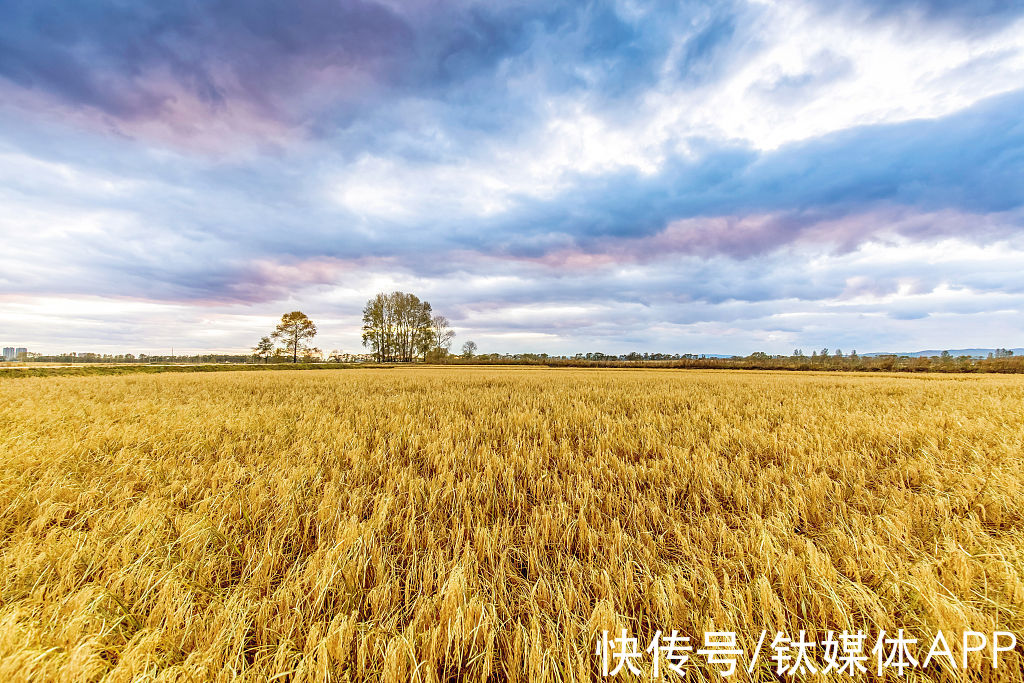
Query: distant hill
<point x="974" y="353"/>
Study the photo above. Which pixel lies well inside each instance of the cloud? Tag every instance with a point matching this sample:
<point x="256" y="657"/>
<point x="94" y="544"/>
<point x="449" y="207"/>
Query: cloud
<point x="548" y="172"/>
<point x="740" y="202"/>
<point x="180" y="72"/>
<point x="980" y="16"/>
<point x="687" y="304"/>
<point x="129" y="61"/>
<point x="823" y="68"/>
<point x="203" y="233"/>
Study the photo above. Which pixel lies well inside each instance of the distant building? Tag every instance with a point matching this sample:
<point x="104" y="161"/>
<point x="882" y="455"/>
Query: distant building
<point x="353" y="357"/>
<point x="9" y="353"/>
<point x="20" y="353"/>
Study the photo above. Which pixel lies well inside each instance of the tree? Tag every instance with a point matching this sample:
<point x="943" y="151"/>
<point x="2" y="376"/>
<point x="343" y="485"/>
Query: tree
<point x="377" y="327"/>
<point x="469" y="349"/>
<point x="294" y="329"/>
<point x="441" y="334"/>
<point x="264" y="348"/>
<point x="417" y="316"/>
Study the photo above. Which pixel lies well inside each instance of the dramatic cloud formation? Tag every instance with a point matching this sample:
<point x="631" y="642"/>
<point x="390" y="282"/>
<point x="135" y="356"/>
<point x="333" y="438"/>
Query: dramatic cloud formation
<point x="684" y="177"/>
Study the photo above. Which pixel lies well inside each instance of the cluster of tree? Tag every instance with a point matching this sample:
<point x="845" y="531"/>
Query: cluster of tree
<point x="401" y="327"/>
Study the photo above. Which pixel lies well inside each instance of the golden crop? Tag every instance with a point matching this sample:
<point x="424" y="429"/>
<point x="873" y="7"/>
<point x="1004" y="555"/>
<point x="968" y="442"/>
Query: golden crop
<point x="436" y="524"/>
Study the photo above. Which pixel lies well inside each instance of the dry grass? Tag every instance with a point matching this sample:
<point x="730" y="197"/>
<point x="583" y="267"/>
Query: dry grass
<point x="485" y="523"/>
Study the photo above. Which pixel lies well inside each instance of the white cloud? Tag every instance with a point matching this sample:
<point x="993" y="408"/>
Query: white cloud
<point x="792" y="74"/>
<point x="857" y="74"/>
<point x="894" y="75"/>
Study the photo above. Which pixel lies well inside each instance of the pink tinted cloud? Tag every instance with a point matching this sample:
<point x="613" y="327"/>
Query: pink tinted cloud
<point x="268" y="279"/>
<point x="198" y="77"/>
<point x="743" y="237"/>
<point x="271" y="279"/>
<point x="160" y="109"/>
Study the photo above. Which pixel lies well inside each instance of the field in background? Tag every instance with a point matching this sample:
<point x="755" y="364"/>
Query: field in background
<point x="434" y="523"/>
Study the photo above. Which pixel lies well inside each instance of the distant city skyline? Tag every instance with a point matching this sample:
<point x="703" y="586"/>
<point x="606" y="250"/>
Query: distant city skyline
<point x="14" y="352"/>
<point x="561" y="178"/>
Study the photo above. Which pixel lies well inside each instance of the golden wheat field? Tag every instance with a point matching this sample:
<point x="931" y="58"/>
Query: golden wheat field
<point x="478" y="524"/>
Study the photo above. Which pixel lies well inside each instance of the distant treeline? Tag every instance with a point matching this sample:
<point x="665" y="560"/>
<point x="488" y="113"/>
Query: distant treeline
<point x="122" y="358"/>
<point x="761" y="361"/>
<point x="139" y="369"/>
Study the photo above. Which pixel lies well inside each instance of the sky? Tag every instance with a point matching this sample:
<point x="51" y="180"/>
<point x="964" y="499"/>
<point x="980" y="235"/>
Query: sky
<point x="680" y="177"/>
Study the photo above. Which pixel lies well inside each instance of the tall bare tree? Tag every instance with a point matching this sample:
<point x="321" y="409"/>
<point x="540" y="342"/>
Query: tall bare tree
<point x="441" y="334"/>
<point x="294" y="329"/>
